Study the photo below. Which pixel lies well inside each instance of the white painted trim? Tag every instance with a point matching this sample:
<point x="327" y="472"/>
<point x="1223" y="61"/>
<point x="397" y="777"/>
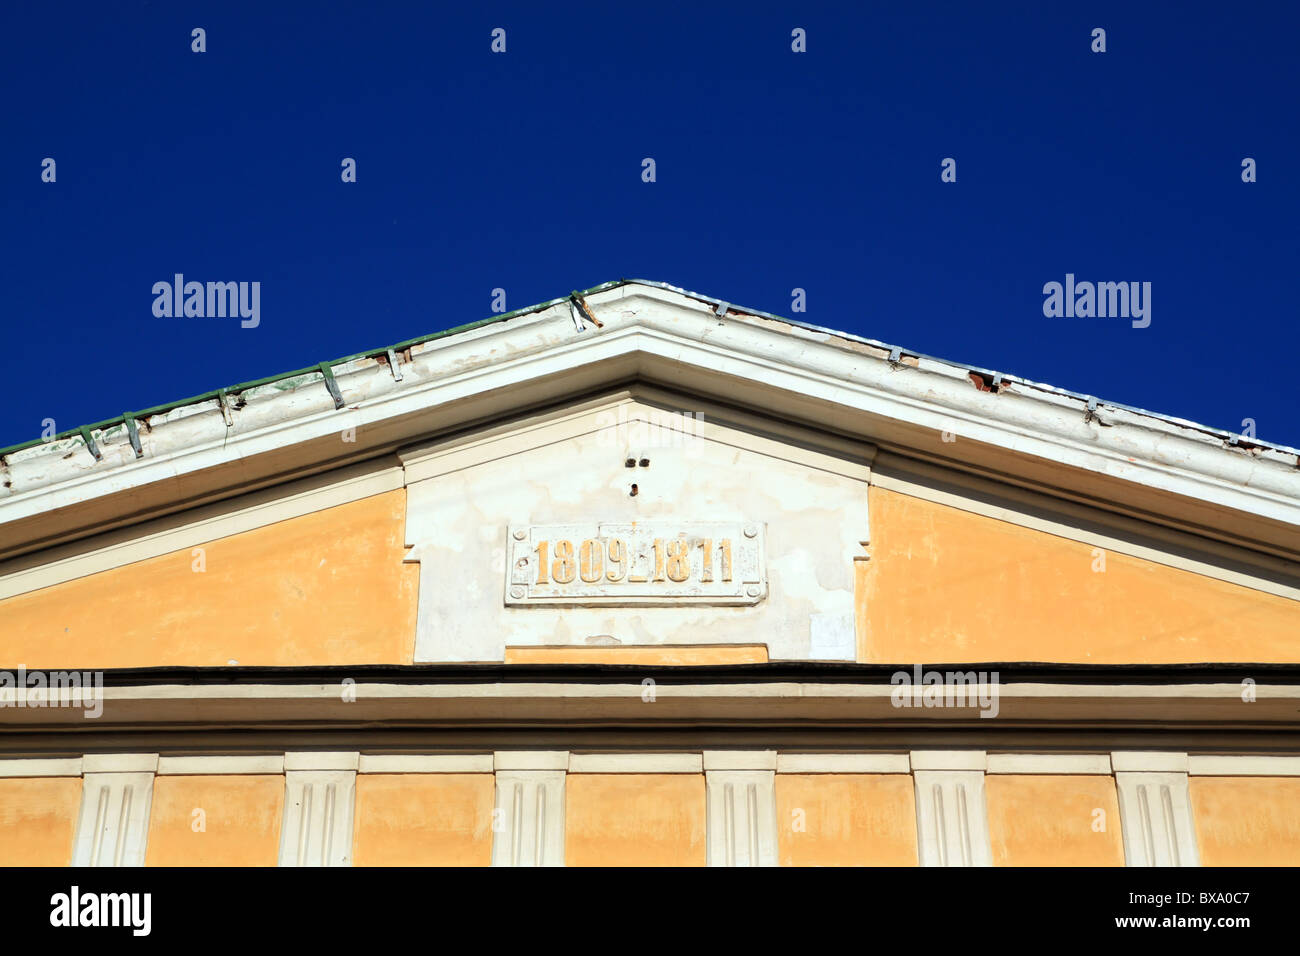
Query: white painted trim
<point x="119" y="763"/>
<point x="949" y="759"/>
<point x="1156" y="817"/>
<point x="1049" y="763"/>
<point x="1149" y="761"/>
<point x="113" y="823"/>
<point x="530" y="760"/>
<point x="530" y="807"/>
<point x="636" y="763"/>
<point x="196" y="527"/>
<point x="952" y="827"/>
<point x="41" y="767"/>
<point x="1214" y="765"/>
<point x="426" y="763"/>
<point x="842" y="763"/>
<point x="319" y="808"/>
<point x="322" y="760"/>
<point x="205" y="765"/>
<point x="740" y="760"/>
<point x="1176" y="470"/>
<point x="740" y="816"/>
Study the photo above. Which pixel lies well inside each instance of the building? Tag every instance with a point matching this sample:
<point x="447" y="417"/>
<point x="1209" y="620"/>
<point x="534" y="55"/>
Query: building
<point x="640" y="577"/>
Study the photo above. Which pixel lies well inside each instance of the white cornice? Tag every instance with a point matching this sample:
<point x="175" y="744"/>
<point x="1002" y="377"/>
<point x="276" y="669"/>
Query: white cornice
<point x="1173" y="473"/>
<point x="842" y="763"/>
<point x="425" y="763"/>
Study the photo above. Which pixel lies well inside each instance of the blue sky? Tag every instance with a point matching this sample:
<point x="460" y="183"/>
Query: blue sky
<point x="775" y="170"/>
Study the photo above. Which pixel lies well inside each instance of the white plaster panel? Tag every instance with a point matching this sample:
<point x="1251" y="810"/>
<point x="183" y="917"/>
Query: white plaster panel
<point x="459" y="516"/>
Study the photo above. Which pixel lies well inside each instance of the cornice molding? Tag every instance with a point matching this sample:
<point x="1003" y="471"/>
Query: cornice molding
<point x="1155" y="467"/>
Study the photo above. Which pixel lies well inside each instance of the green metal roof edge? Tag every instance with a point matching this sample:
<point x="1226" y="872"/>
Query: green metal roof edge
<point x="80" y="430"/>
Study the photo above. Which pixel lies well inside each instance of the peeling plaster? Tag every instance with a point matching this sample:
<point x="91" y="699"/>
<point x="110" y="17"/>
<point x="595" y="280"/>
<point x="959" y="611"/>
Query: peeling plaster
<point x="457" y="527"/>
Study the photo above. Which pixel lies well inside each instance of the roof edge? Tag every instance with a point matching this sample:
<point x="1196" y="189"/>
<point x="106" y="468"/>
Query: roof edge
<point x="108" y="424"/>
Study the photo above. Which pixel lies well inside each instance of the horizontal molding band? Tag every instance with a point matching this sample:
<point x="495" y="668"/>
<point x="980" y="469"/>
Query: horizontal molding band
<point x="425" y="763"/>
<point x="41" y="767"/>
<point x="203" y="765"/>
<point x="1212" y="765"/>
<point x="842" y="763"/>
<point x="636" y="763"/>
<point x="1049" y="763"/>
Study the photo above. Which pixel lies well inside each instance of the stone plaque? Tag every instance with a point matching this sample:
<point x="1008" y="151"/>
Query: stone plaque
<point x="640" y="564"/>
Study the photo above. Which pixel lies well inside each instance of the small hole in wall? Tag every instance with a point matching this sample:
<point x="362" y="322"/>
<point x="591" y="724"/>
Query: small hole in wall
<point x="645" y="462"/>
<point x="633" y="491"/>
<point x="630" y="463"/>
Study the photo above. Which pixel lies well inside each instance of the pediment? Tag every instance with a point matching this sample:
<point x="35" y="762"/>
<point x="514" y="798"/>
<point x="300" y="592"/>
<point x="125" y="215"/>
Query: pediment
<point x="1000" y="427"/>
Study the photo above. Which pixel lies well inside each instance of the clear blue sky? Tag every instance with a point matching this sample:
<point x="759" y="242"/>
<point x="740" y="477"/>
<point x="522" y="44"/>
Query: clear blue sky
<point x="775" y="170"/>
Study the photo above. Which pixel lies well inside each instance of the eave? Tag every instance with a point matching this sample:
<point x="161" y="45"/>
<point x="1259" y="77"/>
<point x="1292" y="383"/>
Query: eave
<point x="1132" y="462"/>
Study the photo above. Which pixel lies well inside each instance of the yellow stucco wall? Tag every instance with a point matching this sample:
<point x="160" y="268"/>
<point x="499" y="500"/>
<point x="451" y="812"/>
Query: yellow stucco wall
<point x="38" y="818"/>
<point x="423" y="819"/>
<point x="241" y="820"/>
<point x="634" y="819"/>
<point x="1052" y="820"/>
<point x="945" y="585"/>
<point x="661" y="656"/>
<point x="1247" y="821"/>
<point x="324" y="588"/>
<point x="846" y="819"/>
